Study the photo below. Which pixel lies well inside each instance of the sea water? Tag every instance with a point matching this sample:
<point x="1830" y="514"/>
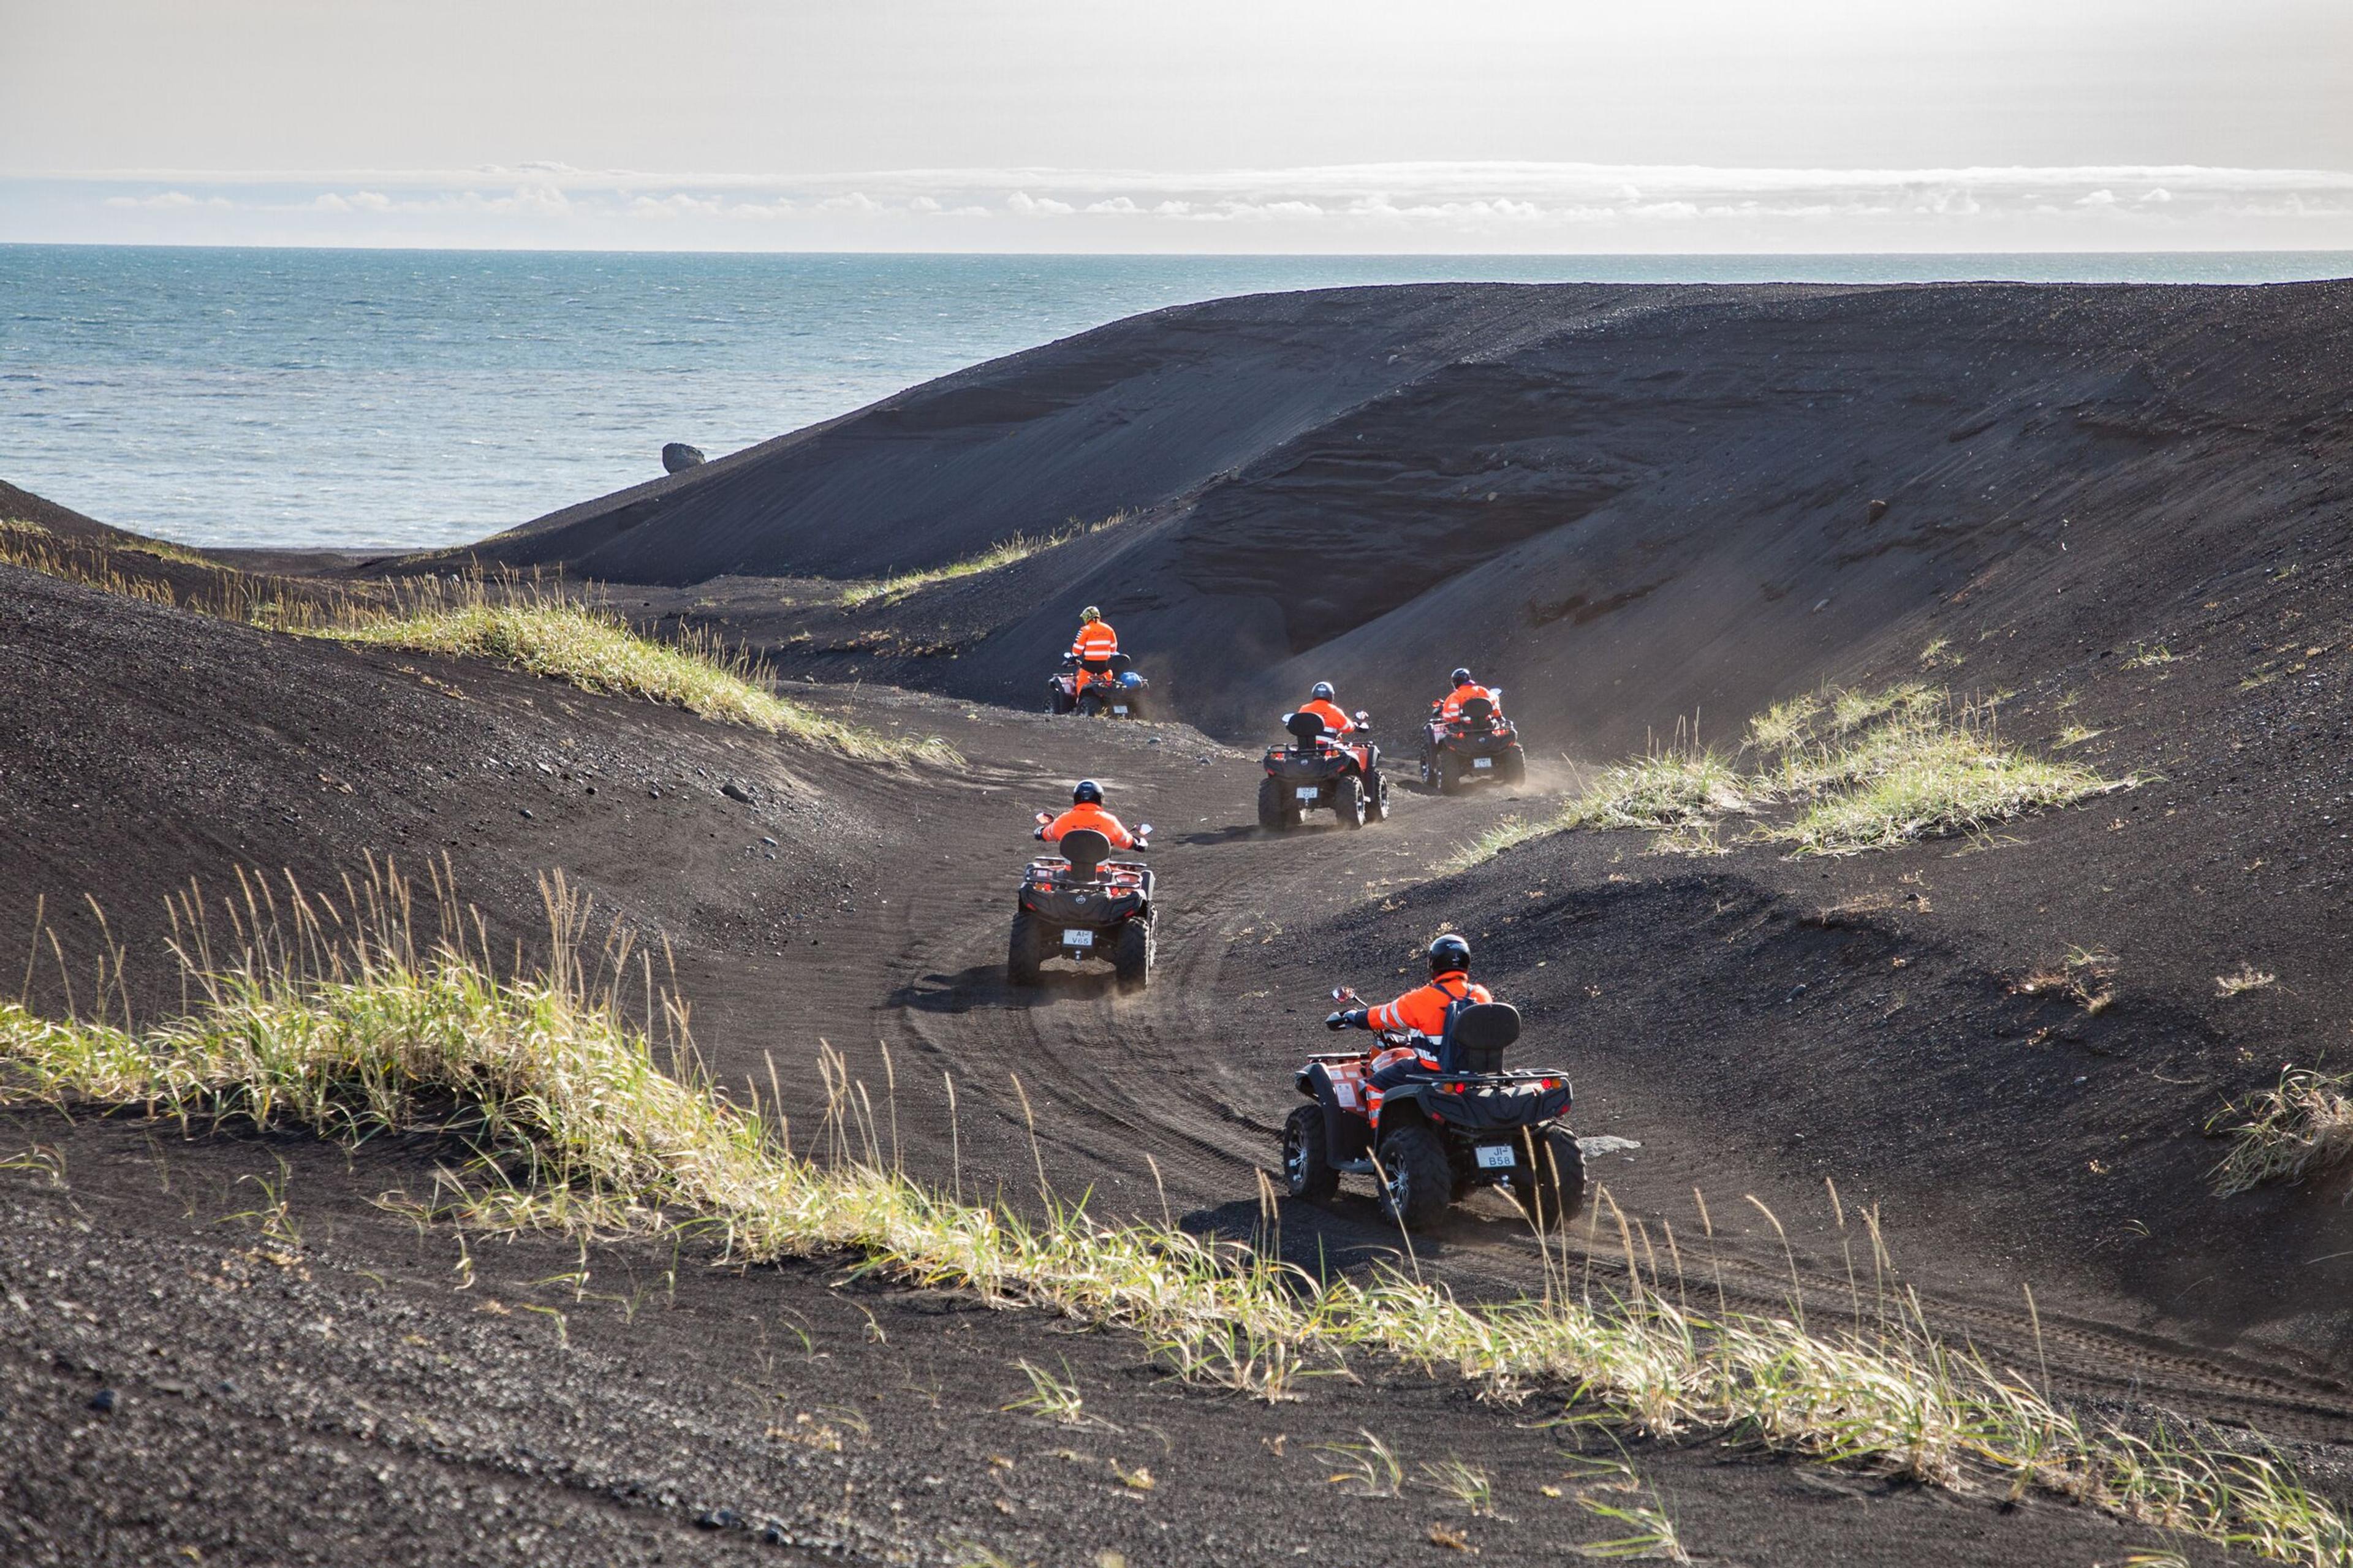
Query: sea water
<point x="397" y="399"/>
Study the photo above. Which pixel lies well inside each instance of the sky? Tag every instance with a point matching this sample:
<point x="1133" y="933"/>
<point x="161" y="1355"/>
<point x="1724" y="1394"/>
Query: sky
<point x="1538" y="126"/>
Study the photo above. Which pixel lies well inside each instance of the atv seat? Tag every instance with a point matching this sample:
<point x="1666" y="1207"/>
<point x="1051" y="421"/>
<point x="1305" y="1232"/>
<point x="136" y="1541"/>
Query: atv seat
<point x="1477" y="1035"/>
<point x="1478" y="713"/>
<point x="1084" y="848"/>
<point x="1305" y="729"/>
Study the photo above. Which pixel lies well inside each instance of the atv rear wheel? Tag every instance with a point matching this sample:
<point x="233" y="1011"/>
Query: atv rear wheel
<point x="1418" y="1179"/>
<point x="1376" y="797"/>
<point x="1089" y="704"/>
<point x="1513" y="767"/>
<point x="1277" y="807"/>
<point x="1131" y="956"/>
<point x="1550" y="1180"/>
<point x="1450" y="773"/>
<point x="1348" y="800"/>
<point x="1307" y="1172"/>
<point x="1021" y="954"/>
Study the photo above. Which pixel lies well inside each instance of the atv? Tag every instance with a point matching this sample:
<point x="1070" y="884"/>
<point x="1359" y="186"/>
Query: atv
<point x="1113" y="691"/>
<point x="1480" y="744"/>
<point x="1081" y="905"/>
<point x="1316" y="773"/>
<point x="1439" y="1135"/>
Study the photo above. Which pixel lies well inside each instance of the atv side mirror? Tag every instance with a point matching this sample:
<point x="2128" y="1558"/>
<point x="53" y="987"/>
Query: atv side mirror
<point x="1363" y="717"/>
<point x="1343" y="993"/>
<point x="1043" y="818"/>
<point x="1143" y="830"/>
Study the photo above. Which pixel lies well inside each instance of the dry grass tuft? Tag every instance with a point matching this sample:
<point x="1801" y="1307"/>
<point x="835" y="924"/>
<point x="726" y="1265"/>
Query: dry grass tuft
<point x="1677" y="786"/>
<point x="329" y="1014"/>
<point x="2245" y="978"/>
<point x="1786" y="725"/>
<point x="2301" y="1127"/>
<point x="1004" y="553"/>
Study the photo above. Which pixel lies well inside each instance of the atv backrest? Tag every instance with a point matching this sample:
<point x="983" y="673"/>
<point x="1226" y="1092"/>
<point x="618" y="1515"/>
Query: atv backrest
<point x="1305" y="727"/>
<point x="1477" y="1035"/>
<point x="1478" y="710"/>
<point x="1084" y="848"/>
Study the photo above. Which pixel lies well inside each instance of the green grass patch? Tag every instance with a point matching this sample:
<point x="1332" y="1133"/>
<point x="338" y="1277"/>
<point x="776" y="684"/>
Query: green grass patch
<point x="596" y="650"/>
<point x="1953" y="781"/>
<point x="344" y="1026"/>
<point x="1004" y="553"/>
<point x="545" y="630"/>
<point x="1833" y="773"/>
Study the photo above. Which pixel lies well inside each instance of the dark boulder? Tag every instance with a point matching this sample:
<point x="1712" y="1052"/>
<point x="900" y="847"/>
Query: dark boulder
<point x="678" y="457"/>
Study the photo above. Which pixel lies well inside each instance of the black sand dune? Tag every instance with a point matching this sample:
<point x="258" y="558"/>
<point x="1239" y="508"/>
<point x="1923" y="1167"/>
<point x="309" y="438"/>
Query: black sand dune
<point x="1682" y="519"/>
<point x="1622" y="503"/>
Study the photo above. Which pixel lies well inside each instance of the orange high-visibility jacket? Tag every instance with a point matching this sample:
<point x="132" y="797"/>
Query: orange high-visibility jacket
<point x="1463" y="693"/>
<point x="1335" y="722"/>
<point x="1087" y="813"/>
<point x="1423" y="1010"/>
<point x="1095" y="640"/>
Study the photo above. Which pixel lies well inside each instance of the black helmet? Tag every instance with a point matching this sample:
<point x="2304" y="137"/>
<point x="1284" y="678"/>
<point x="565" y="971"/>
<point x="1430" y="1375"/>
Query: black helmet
<point x="1461" y="677"/>
<point x="1448" y="954"/>
<point x="1088" y="791"/>
<point x="1322" y="692"/>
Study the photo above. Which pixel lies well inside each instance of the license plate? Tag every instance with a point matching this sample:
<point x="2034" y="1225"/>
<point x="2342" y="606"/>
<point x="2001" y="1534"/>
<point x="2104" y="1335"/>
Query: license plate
<point x="1120" y="708"/>
<point x="1497" y="1157"/>
<point x="1307" y="793"/>
<point x="1087" y="939"/>
<point x="1485" y="762"/>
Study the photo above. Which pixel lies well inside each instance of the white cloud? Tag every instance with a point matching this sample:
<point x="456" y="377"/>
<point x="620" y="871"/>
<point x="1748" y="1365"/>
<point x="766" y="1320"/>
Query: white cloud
<point x="1520" y="207"/>
<point x="1027" y="206"/>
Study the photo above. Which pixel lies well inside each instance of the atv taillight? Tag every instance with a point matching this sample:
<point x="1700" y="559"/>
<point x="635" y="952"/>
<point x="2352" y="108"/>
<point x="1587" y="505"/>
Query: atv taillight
<point x="1550" y="1083"/>
<point x="1456" y="1087"/>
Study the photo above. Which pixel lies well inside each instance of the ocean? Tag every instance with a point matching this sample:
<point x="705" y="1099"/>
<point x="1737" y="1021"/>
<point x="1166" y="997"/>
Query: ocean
<point x="399" y="399"/>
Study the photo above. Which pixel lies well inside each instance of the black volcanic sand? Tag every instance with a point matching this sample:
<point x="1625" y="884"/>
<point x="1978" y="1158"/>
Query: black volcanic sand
<point x="1758" y="1026"/>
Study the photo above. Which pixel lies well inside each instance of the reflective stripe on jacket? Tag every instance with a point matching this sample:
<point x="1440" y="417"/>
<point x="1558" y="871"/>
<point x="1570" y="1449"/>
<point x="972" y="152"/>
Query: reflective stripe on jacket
<point x="1335" y="722"/>
<point x="1453" y="707"/>
<point x="1087" y="813"/>
<point x="1423" y="1011"/>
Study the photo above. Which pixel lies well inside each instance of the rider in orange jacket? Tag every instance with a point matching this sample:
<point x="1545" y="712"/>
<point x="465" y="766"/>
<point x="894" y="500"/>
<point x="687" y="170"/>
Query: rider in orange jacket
<point x="1465" y="689"/>
<point x="1087" y="811"/>
<point x="1096" y="645"/>
<point x="1336" y="723"/>
<point x="1419" y="1014"/>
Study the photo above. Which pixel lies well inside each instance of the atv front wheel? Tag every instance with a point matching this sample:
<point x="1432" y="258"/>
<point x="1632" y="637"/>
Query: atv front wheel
<point x="1307" y="1172"/>
<point x="1348" y="800"/>
<point x="1419" y="1180"/>
<point x="1021" y="954"/>
<point x="1550" y="1180"/>
<point x="1131" y="956"/>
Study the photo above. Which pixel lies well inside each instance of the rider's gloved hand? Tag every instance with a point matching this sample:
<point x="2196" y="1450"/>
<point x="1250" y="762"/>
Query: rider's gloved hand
<point x="1351" y="1020"/>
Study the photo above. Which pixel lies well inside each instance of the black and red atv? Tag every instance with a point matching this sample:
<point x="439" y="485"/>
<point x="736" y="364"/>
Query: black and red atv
<point x="1316" y="773"/>
<point x="1108" y="688"/>
<point x="1081" y="904"/>
<point x="1480" y="744"/>
<point x="1440" y="1135"/>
